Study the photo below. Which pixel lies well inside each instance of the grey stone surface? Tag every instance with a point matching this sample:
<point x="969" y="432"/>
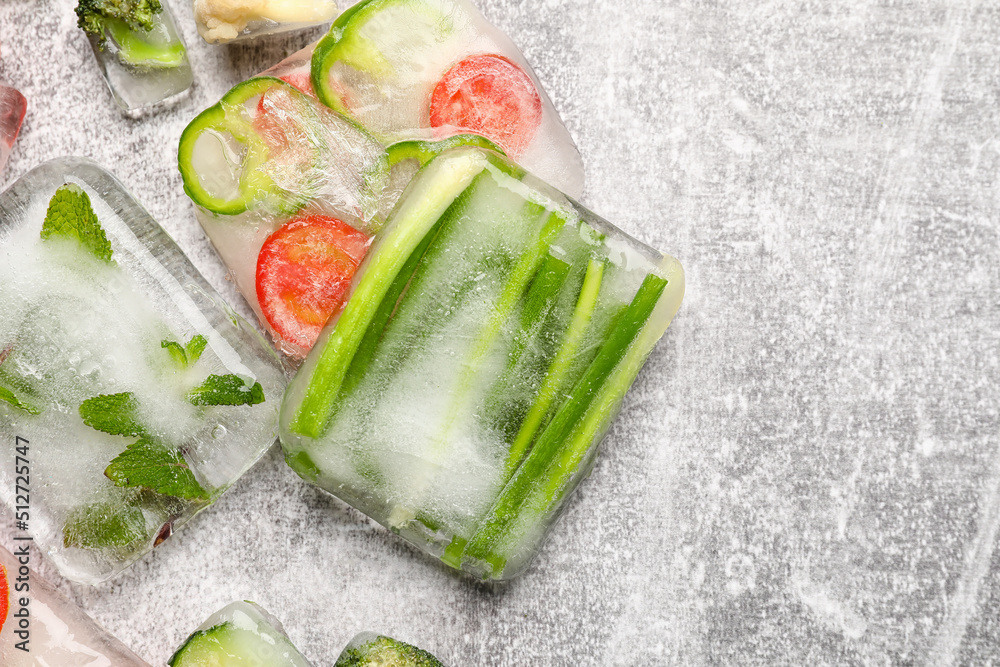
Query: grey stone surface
<point x="806" y="472"/>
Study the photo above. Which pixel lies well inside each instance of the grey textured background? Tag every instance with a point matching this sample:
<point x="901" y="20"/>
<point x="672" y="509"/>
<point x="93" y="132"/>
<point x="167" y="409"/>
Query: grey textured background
<point x="806" y="472"/>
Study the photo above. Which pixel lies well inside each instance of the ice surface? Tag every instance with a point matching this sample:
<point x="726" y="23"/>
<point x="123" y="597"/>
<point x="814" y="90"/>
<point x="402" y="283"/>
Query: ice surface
<point x="242" y="633"/>
<point x="465" y="416"/>
<point x="369" y="649"/>
<point x="12" y="110"/>
<point x="221" y="21"/>
<point x="141" y="84"/>
<point x="76" y="328"/>
<point x="60" y="634"/>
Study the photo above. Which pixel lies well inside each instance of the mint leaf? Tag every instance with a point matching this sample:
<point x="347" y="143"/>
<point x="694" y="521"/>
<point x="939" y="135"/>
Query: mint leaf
<point x="70" y="215"/>
<point x="185" y="355"/>
<point x="226" y="390"/>
<point x="195" y="347"/>
<point x="176" y="351"/>
<point x="148" y="464"/>
<point x="116" y="414"/>
<point x="104" y="525"/>
<point x="10" y="397"/>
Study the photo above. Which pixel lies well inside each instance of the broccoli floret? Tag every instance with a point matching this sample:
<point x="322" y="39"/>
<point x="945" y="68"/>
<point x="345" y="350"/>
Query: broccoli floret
<point x="367" y="650"/>
<point x="136" y="14"/>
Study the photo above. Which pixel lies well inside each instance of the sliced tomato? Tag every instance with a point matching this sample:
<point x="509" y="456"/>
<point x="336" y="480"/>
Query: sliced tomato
<point x="303" y="272"/>
<point x="4" y="596"/>
<point x="269" y="124"/>
<point x="301" y="81"/>
<point x="491" y="96"/>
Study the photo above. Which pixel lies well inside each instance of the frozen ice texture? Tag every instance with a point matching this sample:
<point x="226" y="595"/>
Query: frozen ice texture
<point x="12" y="110"/>
<point x="145" y="71"/>
<point x="384" y="61"/>
<point x="60" y="634"/>
<point x="221" y="21"/>
<point x="75" y="328"/>
<point x="369" y="649"/>
<point x="242" y="633"/>
<point x="490" y="336"/>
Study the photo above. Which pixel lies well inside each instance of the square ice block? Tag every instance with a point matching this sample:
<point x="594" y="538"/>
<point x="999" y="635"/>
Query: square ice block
<point x="145" y="70"/>
<point x="222" y="21"/>
<point x="130" y="394"/>
<point x="489" y="338"/>
<point x="240" y="633"/>
<point x="271" y="168"/>
<point x="58" y="632"/>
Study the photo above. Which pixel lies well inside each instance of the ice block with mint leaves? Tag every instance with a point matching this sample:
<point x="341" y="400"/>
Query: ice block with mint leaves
<point x="139" y="50"/>
<point x="137" y="395"/>
<point x="49" y="629"/>
<point x="239" y="634"/>
<point x="489" y="338"/>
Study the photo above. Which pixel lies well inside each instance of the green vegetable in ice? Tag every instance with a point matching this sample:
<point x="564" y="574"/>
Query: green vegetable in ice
<point x="12" y="398"/>
<point x="383" y="651"/>
<point x="116" y="414"/>
<point x="70" y="215"/>
<point x="104" y="525"/>
<point x="185" y="355"/>
<point x="136" y="14"/>
<point x="150" y="465"/>
<point x="226" y="390"/>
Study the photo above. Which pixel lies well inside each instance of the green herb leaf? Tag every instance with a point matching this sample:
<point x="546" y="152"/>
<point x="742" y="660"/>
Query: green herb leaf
<point x="116" y="414"/>
<point x="176" y="351"/>
<point x="226" y="390"/>
<point x="104" y="525"/>
<point x="185" y="355"/>
<point x="195" y="347"/>
<point x="148" y="464"/>
<point x="70" y="215"/>
<point x="10" y="397"/>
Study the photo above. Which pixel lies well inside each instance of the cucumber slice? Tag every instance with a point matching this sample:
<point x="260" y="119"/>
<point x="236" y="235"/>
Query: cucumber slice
<point x="154" y="49"/>
<point x="391" y="52"/>
<point x="240" y="634"/>
<point x="424" y="151"/>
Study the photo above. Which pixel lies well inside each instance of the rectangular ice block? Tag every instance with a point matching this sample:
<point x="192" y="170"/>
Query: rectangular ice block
<point x="12" y="109"/>
<point x="221" y="21"/>
<point x="239" y="634"/>
<point x="131" y="396"/>
<point x="490" y="335"/>
<point x="372" y="650"/>
<point x="55" y="631"/>
<point x="144" y="69"/>
<point x="289" y="191"/>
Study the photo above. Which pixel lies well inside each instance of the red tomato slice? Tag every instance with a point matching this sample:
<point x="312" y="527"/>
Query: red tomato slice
<point x="4" y="596"/>
<point x="491" y="96"/>
<point x="303" y="272"/>
<point x="301" y="81"/>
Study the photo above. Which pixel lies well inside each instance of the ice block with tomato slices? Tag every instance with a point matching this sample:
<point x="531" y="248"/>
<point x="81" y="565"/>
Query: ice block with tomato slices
<point x="128" y="389"/>
<point x="241" y="633"/>
<point x="12" y="110"/>
<point x="222" y="21"/>
<point x="48" y="629"/>
<point x="294" y="171"/>
<point x="489" y="338"/>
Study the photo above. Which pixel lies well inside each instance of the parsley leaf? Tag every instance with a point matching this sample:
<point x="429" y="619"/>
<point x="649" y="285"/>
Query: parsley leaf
<point x="150" y="465"/>
<point x="104" y="525"/>
<point x="116" y="414"/>
<point x="70" y="215"/>
<point x="226" y="390"/>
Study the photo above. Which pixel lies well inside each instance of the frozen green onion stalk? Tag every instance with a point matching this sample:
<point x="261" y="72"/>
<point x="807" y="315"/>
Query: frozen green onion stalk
<point x="491" y="334"/>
